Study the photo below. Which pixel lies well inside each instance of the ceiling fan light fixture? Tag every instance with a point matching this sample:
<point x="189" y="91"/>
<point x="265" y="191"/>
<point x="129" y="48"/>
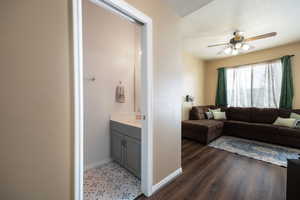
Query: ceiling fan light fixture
<point x="228" y="50"/>
<point x="238" y="45"/>
<point x="246" y="47"/>
<point x="235" y="52"/>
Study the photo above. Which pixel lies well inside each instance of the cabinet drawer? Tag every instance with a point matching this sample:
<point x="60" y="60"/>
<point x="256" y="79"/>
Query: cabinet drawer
<point x="128" y="130"/>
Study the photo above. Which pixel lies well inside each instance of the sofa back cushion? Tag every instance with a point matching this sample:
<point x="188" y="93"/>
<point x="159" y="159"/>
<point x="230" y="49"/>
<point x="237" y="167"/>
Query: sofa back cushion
<point x="296" y="111"/>
<point x="285" y="113"/>
<point x="264" y="115"/>
<point x="239" y="114"/>
<point x="198" y="112"/>
<point x="255" y="115"/>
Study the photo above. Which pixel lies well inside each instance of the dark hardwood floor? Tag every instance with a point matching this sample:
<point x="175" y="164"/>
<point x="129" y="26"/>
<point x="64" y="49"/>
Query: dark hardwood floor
<point x="212" y="174"/>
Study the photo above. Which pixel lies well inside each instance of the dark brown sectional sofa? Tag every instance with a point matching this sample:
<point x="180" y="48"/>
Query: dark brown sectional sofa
<point x="249" y="123"/>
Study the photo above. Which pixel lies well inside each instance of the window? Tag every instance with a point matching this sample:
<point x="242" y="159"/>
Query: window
<point x="257" y="85"/>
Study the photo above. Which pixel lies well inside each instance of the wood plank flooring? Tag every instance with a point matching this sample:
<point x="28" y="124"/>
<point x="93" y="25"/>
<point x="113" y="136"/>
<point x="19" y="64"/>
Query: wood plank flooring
<point x="212" y="174"/>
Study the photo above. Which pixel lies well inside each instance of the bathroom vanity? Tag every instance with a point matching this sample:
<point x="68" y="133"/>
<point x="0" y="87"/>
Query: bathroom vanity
<point x="126" y="144"/>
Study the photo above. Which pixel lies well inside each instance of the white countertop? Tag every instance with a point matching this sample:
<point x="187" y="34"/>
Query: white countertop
<point x="127" y="119"/>
<point x="134" y="123"/>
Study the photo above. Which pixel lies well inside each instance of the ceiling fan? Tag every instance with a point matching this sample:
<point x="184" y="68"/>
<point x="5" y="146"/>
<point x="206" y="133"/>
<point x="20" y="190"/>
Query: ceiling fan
<point x="239" y="43"/>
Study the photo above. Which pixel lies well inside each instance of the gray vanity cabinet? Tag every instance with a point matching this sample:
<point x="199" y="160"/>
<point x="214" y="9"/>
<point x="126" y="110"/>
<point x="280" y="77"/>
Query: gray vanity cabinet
<point x="132" y="155"/>
<point x="116" y="147"/>
<point x="126" y="146"/>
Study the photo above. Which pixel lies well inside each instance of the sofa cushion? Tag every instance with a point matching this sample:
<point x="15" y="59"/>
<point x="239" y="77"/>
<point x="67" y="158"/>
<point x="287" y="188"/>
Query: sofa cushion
<point x="247" y="129"/>
<point x="289" y="132"/>
<point x="289" y="137"/>
<point x="234" y="124"/>
<point x="202" y="124"/>
<point x="198" y="112"/>
<point x="239" y="114"/>
<point x="203" y="131"/>
<point x="264" y="115"/>
<point x="297" y="111"/>
<point x="284" y="113"/>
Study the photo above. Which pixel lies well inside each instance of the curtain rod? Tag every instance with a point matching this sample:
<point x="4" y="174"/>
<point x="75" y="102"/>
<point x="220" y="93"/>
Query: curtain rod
<point x="254" y="62"/>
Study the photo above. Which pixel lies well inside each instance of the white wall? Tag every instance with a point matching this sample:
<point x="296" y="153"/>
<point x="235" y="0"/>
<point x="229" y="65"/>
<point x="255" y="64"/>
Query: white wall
<point x="109" y="55"/>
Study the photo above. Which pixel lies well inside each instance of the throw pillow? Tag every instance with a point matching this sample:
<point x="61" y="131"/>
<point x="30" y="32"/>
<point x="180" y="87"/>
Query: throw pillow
<point x="209" y="115"/>
<point x="214" y="110"/>
<point x="219" y="115"/>
<point x="287" y="122"/>
<point x="295" y="116"/>
<point x="297" y="124"/>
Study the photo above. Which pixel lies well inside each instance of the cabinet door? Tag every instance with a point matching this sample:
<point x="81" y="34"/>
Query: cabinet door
<point x="117" y="147"/>
<point x="132" y="159"/>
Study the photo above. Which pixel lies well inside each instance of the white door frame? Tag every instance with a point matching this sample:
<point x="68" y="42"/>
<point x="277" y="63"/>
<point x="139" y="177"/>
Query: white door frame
<point x="147" y="92"/>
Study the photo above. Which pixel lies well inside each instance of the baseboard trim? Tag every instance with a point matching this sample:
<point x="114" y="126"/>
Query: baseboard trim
<point x="166" y="180"/>
<point x="97" y="164"/>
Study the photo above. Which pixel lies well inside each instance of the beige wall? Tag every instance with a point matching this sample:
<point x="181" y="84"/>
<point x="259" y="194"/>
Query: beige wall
<point x="167" y="86"/>
<point x="36" y="146"/>
<point x="193" y="82"/>
<point x="36" y="140"/>
<point x="258" y="56"/>
<point x="116" y="63"/>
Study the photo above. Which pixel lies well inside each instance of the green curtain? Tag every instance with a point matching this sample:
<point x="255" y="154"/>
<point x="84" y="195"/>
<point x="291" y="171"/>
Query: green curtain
<point x="287" y="88"/>
<point x="221" y="96"/>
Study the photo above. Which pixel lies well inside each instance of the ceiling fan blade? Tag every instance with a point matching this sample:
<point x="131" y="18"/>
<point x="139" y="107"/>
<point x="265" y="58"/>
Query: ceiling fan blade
<point x="251" y="47"/>
<point x="258" y="37"/>
<point x="215" y="45"/>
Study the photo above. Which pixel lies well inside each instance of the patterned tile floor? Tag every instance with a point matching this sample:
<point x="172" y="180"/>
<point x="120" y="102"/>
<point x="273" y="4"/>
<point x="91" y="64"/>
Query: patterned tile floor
<point x="110" y="182"/>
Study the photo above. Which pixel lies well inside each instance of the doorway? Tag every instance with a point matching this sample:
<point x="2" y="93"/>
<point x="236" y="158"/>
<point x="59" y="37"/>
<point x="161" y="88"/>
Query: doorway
<point x="125" y="10"/>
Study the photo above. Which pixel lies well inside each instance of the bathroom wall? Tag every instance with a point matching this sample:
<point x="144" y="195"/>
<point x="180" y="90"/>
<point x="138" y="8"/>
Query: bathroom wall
<point x="118" y="62"/>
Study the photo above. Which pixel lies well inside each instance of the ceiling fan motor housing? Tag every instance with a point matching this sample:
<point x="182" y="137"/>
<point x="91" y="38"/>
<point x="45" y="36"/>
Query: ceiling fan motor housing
<point x="235" y="40"/>
<point x="238" y="38"/>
